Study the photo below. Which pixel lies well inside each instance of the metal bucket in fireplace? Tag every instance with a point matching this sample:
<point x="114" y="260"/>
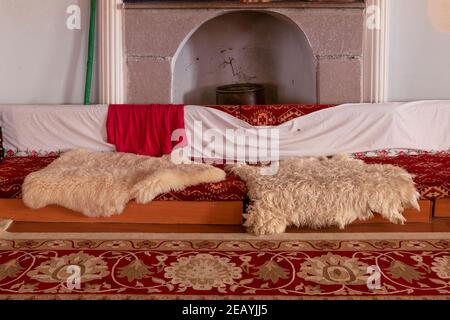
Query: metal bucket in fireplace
<point x="241" y="94"/>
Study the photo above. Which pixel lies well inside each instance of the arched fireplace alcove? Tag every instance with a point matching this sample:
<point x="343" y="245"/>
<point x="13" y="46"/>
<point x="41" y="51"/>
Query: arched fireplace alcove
<point x="245" y="47"/>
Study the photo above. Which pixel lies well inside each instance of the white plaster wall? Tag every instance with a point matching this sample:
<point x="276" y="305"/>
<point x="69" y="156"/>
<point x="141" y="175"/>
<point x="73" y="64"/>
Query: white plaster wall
<point x="419" y="50"/>
<point x="243" y="47"/>
<point x="41" y="61"/>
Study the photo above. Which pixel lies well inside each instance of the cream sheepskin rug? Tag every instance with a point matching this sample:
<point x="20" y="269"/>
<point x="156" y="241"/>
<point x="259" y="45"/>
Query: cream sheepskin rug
<point x="100" y="184"/>
<point x="320" y="192"/>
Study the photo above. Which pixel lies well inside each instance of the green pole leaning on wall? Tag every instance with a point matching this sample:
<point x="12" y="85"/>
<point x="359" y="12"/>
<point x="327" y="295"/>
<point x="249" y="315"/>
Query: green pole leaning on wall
<point x="91" y="49"/>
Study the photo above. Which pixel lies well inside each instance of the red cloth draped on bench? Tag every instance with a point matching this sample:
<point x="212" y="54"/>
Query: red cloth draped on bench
<point x="144" y="129"/>
<point x="273" y="115"/>
<point x="431" y="172"/>
<point x="13" y="171"/>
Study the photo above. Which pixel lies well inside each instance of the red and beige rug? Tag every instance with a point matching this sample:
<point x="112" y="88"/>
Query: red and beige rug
<point x="215" y="267"/>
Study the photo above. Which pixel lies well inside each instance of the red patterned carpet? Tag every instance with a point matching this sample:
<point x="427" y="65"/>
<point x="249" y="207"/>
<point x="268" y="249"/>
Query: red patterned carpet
<point x="222" y="269"/>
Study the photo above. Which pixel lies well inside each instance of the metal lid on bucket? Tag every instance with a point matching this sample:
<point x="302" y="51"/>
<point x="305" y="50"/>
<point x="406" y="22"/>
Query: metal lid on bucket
<point x="240" y="94"/>
<point x="240" y="88"/>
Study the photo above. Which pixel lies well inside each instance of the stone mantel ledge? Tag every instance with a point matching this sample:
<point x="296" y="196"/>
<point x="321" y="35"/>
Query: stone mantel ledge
<point x="314" y="4"/>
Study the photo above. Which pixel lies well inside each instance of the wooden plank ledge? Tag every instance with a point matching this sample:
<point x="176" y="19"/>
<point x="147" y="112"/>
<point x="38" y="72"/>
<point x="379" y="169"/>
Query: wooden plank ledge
<point x="442" y="208"/>
<point x="436" y="225"/>
<point x="156" y="212"/>
<point x="170" y="212"/>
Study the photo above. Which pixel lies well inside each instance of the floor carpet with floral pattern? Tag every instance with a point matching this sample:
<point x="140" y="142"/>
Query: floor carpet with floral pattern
<point x="224" y="269"/>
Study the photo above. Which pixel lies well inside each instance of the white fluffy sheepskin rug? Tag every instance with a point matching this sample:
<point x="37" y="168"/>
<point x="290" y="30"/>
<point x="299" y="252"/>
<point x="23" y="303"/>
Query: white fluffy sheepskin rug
<point x="320" y="192"/>
<point x="102" y="183"/>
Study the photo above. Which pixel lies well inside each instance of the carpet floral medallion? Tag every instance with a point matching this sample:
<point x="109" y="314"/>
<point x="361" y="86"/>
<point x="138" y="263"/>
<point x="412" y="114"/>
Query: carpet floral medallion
<point x="224" y="269"/>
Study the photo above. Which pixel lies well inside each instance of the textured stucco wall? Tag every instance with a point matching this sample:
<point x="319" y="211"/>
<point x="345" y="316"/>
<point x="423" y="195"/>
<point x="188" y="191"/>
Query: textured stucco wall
<point x="41" y="60"/>
<point x="419" y="50"/>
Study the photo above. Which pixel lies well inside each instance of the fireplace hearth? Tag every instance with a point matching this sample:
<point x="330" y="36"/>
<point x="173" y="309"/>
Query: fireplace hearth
<point x="301" y="51"/>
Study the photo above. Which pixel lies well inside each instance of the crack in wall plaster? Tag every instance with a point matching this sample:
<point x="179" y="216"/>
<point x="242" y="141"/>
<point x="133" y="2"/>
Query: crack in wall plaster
<point x="241" y="76"/>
